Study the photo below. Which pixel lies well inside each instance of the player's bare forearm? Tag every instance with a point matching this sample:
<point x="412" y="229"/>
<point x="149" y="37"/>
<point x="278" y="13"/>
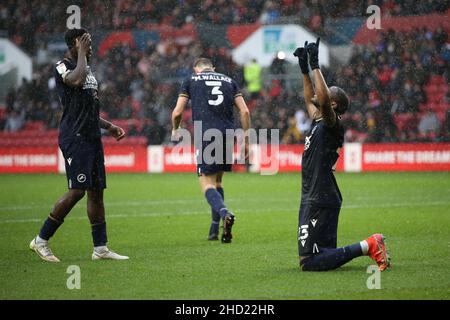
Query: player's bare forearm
<point x="244" y="117"/>
<point x="115" y="131"/>
<point x="105" y="124"/>
<point x="308" y="94"/>
<point x="177" y="112"/>
<point x="244" y="113"/>
<point x="323" y="97"/>
<point x="176" y="120"/>
<point x="77" y="77"/>
<point x="308" y="90"/>
<point x="323" y="94"/>
<point x="245" y="120"/>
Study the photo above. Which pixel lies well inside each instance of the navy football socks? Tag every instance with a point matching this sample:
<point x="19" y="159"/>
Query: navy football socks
<point x="99" y="234"/>
<point x="216" y="202"/>
<point x="220" y="190"/>
<point x="329" y="259"/>
<point x="49" y="228"/>
<point x="214" y="229"/>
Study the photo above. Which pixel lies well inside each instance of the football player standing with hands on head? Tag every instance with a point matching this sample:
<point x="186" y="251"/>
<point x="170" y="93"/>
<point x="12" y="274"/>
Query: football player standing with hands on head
<point x="82" y="148"/>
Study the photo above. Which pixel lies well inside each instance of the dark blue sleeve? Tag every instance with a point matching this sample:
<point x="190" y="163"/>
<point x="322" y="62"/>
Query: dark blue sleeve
<point x="236" y="91"/>
<point x="185" y="88"/>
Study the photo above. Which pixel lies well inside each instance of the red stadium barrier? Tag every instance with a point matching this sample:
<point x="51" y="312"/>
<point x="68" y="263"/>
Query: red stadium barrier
<point x="28" y="159"/>
<point x="406" y="157"/>
<point x="135" y="156"/>
<point x="129" y="158"/>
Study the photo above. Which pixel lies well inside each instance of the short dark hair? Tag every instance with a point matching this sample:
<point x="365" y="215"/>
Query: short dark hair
<point x="203" y="62"/>
<point x="72" y="34"/>
<point x="339" y="96"/>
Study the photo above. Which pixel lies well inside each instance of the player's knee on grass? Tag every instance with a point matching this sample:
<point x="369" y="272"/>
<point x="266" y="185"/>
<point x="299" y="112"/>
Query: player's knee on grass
<point x="313" y="263"/>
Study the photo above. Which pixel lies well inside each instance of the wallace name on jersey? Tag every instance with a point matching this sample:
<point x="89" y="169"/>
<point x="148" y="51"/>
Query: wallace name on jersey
<point x="211" y="76"/>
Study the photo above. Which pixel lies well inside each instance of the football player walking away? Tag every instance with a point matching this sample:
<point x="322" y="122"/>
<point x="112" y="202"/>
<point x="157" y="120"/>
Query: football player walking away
<point x="82" y="148"/>
<point x="213" y="96"/>
<point x="321" y="199"/>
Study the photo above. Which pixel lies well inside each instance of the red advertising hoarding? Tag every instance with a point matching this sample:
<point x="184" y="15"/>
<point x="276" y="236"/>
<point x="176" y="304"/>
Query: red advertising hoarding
<point x="126" y="158"/>
<point x="138" y="157"/>
<point x="28" y="159"/>
<point x="406" y="157"/>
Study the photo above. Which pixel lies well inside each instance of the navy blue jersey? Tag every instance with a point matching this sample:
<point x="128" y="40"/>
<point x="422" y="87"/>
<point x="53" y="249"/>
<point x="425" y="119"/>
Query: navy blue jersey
<point x="80" y="105"/>
<point x="319" y="185"/>
<point x="212" y="98"/>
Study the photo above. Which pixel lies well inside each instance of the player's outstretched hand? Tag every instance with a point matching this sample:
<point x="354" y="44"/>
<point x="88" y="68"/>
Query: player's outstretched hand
<point x="313" y="52"/>
<point x="302" y="55"/>
<point x="117" y="132"/>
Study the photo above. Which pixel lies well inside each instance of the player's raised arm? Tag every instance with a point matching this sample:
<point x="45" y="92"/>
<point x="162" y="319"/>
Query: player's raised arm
<point x="76" y="77"/>
<point x="308" y="90"/>
<point x="321" y="88"/>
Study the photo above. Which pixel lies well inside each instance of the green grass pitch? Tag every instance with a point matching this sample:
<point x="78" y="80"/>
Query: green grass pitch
<point x="162" y="221"/>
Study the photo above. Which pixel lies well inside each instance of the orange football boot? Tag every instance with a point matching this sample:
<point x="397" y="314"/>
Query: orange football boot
<point x="377" y="251"/>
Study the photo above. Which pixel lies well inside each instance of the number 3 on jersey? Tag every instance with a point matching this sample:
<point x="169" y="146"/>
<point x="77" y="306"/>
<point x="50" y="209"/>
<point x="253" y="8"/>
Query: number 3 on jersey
<point x="215" y="91"/>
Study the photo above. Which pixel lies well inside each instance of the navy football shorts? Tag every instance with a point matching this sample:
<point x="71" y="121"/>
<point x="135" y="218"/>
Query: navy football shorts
<point x="214" y="160"/>
<point x="85" y="164"/>
<point x="317" y="229"/>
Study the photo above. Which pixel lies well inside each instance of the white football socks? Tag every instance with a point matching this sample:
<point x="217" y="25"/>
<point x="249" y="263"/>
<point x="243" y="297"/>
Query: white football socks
<point x="100" y="249"/>
<point x="39" y="240"/>
<point x="364" y="247"/>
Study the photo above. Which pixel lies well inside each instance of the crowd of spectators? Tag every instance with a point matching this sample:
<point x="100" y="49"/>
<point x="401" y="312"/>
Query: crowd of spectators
<point x="20" y="18"/>
<point x="314" y="13"/>
<point x="390" y="78"/>
<point x="133" y="84"/>
<point x="383" y="80"/>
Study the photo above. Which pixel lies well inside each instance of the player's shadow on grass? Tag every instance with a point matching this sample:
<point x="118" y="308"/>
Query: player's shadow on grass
<point x="342" y="269"/>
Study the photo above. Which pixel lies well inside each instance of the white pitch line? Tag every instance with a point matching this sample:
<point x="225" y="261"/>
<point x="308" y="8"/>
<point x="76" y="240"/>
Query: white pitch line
<point x="187" y="213"/>
<point x="231" y="200"/>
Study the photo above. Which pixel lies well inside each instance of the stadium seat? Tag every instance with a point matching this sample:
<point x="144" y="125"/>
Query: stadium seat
<point x="34" y="126"/>
<point x="405" y="121"/>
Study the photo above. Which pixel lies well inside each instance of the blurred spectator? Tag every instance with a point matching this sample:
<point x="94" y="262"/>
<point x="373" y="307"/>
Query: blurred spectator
<point x="14" y="121"/>
<point x="270" y="13"/>
<point x="292" y="134"/>
<point x="278" y="66"/>
<point x="252" y="76"/>
<point x="429" y="125"/>
<point x="303" y="122"/>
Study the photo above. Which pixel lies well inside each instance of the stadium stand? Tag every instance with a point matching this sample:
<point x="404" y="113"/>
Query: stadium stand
<point x="393" y="82"/>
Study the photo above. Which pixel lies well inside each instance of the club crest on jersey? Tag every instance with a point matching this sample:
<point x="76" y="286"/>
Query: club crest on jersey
<point x="90" y="82"/>
<point x="308" y="138"/>
<point x="81" y="178"/>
